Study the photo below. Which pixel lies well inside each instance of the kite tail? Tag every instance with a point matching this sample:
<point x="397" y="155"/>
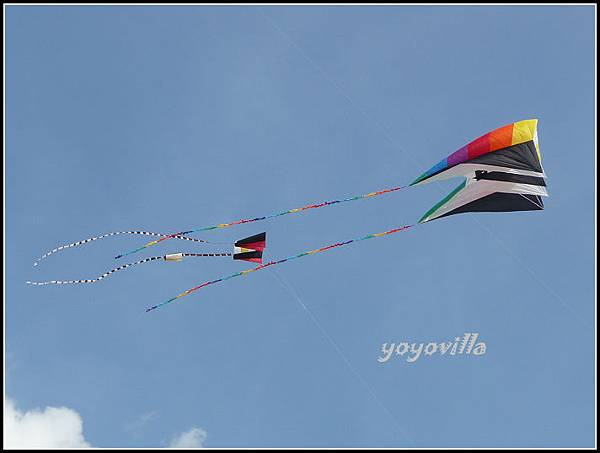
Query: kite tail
<point x="207" y="254"/>
<point x="273" y="263"/>
<point x="85" y="241"/>
<point x="97" y="279"/>
<point x="258" y="219"/>
<point x="172" y="257"/>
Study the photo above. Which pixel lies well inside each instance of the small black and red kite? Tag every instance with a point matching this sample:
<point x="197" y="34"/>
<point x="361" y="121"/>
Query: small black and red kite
<point x="251" y="248"/>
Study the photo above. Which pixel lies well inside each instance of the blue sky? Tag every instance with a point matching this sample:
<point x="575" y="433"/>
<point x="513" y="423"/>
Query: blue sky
<point x="169" y="118"/>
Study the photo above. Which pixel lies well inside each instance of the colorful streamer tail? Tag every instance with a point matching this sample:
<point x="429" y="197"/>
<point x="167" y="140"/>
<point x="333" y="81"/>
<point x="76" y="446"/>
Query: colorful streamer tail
<point x="258" y="219"/>
<point x="273" y="263"/>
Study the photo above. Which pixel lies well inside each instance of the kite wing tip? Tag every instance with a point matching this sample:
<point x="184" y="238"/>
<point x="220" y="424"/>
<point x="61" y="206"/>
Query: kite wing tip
<point x="417" y="181"/>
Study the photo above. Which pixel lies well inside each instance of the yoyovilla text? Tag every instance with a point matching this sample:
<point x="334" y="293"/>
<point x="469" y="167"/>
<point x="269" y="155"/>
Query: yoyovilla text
<point x="411" y="352"/>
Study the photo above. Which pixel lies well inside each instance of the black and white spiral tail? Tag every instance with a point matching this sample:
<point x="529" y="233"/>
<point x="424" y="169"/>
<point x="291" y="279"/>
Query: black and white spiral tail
<point x="172" y="257"/>
<point x="97" y="279"/>
<point x="85" y="241"/>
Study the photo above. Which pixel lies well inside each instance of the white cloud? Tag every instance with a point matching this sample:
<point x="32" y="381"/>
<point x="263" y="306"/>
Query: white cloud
<point x="54" y="427"/>
<point x="139" y="423"/>
<point x="194" y="438"/>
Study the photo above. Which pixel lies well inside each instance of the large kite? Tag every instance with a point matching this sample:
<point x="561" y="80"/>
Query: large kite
<point x="501" y="171"/>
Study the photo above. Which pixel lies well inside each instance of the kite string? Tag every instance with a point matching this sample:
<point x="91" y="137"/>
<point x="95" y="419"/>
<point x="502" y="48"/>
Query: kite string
<point x="257" y="219"/>
<point x="531" y="201"/>
<point x="273" y="263"/>
<point x="294" y="294"/>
